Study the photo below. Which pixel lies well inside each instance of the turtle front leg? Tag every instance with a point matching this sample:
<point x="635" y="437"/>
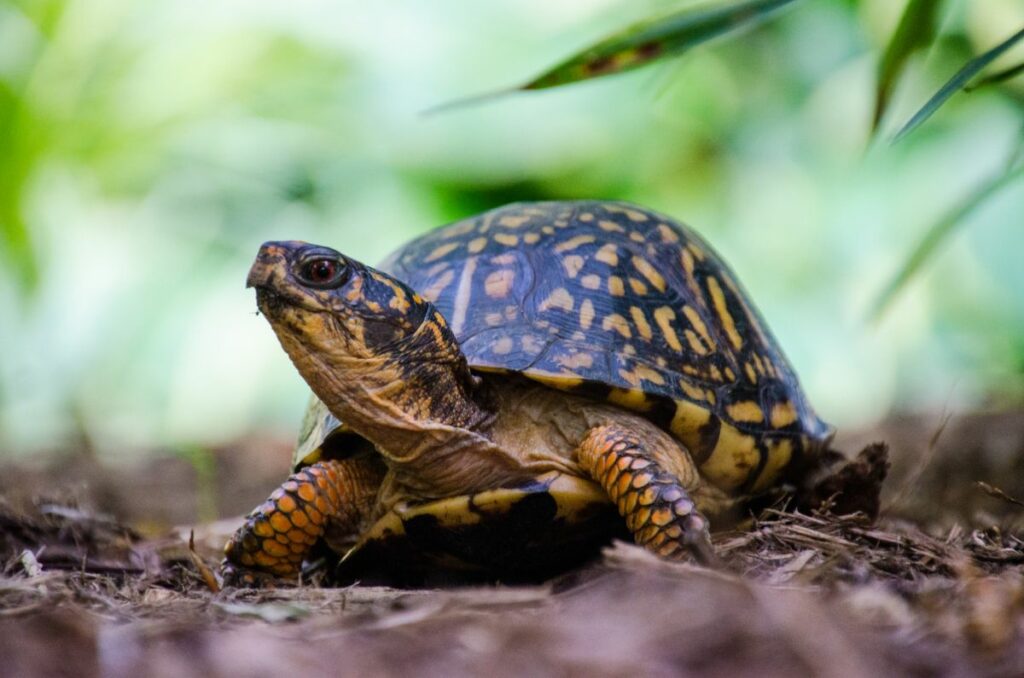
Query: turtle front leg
<point x="651" y="480"/>
<point x="326" y="499"/>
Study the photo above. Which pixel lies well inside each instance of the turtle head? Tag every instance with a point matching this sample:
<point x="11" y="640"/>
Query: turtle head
<point x="333" y="304"/>
<point x="360" y="338"/>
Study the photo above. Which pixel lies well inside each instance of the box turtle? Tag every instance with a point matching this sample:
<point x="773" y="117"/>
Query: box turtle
<point x="517" y="388"/>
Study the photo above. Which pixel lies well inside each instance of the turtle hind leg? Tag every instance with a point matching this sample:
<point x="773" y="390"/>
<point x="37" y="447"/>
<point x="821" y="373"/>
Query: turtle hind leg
<point x="652" y="487"/>
<point x="326" y="499"/>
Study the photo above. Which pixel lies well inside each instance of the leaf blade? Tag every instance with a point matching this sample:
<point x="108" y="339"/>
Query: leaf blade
<point x="653" y="39"/>
<point x="957" y="82"/>
<point x="916" y="29"/>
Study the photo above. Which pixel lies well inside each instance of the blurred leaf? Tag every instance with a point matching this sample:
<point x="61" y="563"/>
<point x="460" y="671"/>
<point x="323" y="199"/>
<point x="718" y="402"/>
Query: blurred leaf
<point x="638" y="45"/>
<point x="653" y="39"/>
<point x="958" y="81"/>
<point x="998" y="77"/>
<point x="934" y="237"/>
<point x="915" y="30"/>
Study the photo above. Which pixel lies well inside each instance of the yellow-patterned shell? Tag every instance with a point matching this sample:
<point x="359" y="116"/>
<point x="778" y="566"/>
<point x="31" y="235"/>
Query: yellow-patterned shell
<point x="621" y="303"/>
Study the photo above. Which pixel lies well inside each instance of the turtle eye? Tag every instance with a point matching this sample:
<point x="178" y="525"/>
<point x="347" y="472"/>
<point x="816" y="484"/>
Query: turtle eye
<point x="322" y="272"/>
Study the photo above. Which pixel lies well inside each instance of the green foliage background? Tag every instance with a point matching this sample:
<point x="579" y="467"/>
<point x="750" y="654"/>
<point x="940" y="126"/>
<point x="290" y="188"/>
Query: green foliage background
<point x="146" y="149"/>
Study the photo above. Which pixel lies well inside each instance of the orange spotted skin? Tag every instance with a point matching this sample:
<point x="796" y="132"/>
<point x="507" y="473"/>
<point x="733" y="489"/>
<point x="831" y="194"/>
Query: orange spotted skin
<point x="658" y="509"/>
<point x="327" y="499"/>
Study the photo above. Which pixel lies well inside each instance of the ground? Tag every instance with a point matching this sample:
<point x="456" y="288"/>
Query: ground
<point x="94" y="583"/>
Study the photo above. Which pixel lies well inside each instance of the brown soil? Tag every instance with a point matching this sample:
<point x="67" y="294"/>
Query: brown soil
<point x="934" y="587"/>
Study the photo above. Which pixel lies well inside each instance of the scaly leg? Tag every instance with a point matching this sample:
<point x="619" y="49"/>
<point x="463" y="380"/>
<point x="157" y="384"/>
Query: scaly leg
<point x="327" y="499"/>
<point x="651" y="480"/>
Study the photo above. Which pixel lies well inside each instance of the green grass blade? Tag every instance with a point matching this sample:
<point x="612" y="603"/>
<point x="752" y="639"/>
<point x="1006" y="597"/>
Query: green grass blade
<point x="957" y="82"/>
<point x="935" y="236"/>
<point x="996" y="78"/>
<point x="916" y="29"/>
<point x="653" y="39"/>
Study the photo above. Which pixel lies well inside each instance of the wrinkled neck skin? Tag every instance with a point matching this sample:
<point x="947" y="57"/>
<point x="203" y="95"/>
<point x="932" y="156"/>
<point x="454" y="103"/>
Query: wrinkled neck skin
<point x="419" y="406"/>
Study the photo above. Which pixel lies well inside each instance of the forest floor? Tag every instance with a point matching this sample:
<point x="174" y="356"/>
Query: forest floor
<point x="96" y="579"/>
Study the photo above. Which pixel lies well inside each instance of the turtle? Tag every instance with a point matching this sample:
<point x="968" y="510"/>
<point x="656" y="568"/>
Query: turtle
<point x="511" y="390"/>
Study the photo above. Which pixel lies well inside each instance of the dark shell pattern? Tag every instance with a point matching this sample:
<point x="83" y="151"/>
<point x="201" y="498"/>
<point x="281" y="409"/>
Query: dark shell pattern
<point x="618" y="302"/>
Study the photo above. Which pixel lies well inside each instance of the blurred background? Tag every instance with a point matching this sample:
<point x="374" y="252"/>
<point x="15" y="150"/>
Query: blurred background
<point x="147" y="149"/>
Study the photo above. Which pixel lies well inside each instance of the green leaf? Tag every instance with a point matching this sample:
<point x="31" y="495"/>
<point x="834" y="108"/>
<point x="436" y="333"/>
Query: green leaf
<point x="957" y="82"/>
<point x="915" y="30"/>
<point x="998" y="77"/>
<point x="638" y="45"/>
<point x="653" y="39"/>
<point x="935" y="236"/>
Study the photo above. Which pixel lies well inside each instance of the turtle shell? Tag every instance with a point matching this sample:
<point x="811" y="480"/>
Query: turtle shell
<point x="620" y="302"/>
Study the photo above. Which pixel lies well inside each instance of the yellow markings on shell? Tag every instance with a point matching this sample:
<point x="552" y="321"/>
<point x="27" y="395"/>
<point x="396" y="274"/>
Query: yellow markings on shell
<point x="643" y="327"/>
<point x="630" y="398"/>
<point x="610" y="226"/>
<point x="440" y="251"/>
<point x="641" y="372"/>
<point x="648" y="271"/>
<point x="555" y="379"/>
<point x="668" y="234"/>
<point x="633" y="215"/>
<point x="498" y="283"/>
<point x="636" y="236"/>
<point x="503" y="346"/>
<point x="729" y="374"/>
<point x="608" y="254"/>
<point x="512" y="222"/>
<point x="757" y="363"/>
<point x="547" y="230"/>
<point x="663" y="316"/>
<point x="615" y="286"/>
<point x="572" y="263"/>
<point x="616" y="322"/>
<point x="698" y="253"/>
<point x="715" y="373"/>
<point x="463" y="294"/>
<point x="746" y="411"/>
<point x="769" y="367"/>
<point x="476" y="245"/>
<point x="573" y="243"/>
<point x="686" y="258"/>
<point x="586" y="216"/>
<point x="733" y="460"/>
<point x="591" y="281"/>
<point x="559" y="298"/>
<point x="783" y="414"/>
<point x="686" y="423"/>
<point x="780" y="452"/>
<point x="575" y="360"/>
<point x="506" y="239"/>
<point x="374" y="306"/>
<point x="531" y="344"/>
<point x="698" y="325"/>
<point x="586" y="314"/>
<point x="748" y="368"/>
<point x="506" y="259"/>
<point x="691" y="391"/>
<point x="695" y="343"/>
<point x="531" y="238"/>
<point x="637" y="286"/>
<point x="493" y="319"/>
<point x="728" y="324"/>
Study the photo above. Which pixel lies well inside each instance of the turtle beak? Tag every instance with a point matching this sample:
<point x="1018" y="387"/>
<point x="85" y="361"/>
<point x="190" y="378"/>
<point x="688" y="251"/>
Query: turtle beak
<point x="270" y="265"/>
